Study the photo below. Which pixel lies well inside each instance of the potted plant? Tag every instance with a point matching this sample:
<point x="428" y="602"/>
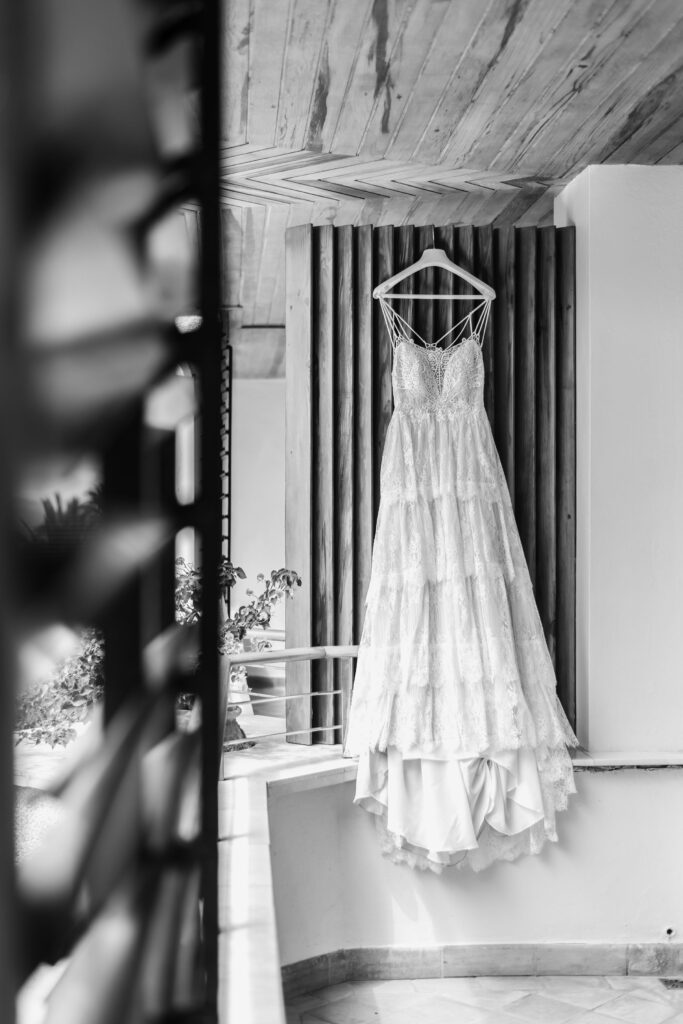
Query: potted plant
<point x="53" y="710"/>
<point x="237" y="628"/>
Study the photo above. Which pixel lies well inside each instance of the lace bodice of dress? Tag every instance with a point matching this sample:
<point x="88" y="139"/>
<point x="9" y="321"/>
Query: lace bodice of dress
<point x="435" y="380"/>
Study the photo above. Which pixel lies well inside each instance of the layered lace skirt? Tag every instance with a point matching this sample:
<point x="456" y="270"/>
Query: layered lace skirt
<point x="462" y="742"/>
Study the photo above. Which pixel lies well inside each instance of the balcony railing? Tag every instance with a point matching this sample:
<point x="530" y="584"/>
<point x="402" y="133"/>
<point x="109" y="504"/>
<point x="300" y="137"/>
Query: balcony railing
<point x="284" y="657"/>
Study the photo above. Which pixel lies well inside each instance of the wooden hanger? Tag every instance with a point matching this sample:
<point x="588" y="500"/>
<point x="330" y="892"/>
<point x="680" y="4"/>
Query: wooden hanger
<point x="433" y="258"/>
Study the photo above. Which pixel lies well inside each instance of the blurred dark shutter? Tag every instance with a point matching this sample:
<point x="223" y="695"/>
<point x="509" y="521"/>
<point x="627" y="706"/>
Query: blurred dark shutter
<point x="117" y="131"/>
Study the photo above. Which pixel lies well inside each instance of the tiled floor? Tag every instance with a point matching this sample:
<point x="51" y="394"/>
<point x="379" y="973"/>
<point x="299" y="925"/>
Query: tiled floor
<point x="523" y="1000"/>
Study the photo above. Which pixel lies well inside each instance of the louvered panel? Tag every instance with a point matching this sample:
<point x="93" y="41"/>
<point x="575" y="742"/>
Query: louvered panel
<point x="97" y="354"/>
<point x="86" y="388"/>
<point x="12" y="200"/>
<point x="528" y="353"/>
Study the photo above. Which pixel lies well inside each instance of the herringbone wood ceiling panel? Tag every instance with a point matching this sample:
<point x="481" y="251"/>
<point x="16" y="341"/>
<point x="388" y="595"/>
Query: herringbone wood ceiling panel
<point x="430" y="111"/>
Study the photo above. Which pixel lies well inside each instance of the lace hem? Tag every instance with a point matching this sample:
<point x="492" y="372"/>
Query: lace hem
<point x="557" y="785"/>
<point x="396" y="849"/>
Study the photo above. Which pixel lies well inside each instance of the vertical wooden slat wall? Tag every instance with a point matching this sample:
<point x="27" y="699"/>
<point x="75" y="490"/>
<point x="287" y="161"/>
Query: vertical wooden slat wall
<point x="364" y="527"/>
<point x="383" y="399"/>
<point x="504" y="364"/>
<point x="323" y="475"/>
<point x="300" y="388"/>
<point x="525" y="392"/>
<point x="546" y="447"/>
<point x="339" y="353"/>
<point x="344" y="459"/>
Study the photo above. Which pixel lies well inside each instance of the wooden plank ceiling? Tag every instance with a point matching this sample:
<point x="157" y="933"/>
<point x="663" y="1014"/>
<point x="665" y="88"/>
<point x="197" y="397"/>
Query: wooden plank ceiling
<point x="426" y="112"/>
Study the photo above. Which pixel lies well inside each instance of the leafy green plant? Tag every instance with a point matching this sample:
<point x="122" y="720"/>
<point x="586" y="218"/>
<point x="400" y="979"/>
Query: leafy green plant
<point x="64" y="526"/>
<point x="257" y="614"/>
<point x="48" y="713"/>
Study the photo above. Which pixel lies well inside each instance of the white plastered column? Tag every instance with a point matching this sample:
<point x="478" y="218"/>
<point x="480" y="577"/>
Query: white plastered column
<point x="629" y="246"/>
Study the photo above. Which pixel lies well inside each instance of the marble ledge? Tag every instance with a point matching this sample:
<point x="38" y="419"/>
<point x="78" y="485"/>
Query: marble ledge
<point x="584" y="760"/>
<point x="298" y="768"/>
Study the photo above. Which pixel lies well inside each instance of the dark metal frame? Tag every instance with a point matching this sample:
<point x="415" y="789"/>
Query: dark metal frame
<point x="210" y="501"/>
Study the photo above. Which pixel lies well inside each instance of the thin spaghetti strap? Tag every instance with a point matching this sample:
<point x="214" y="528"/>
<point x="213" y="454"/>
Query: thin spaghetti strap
<point x="399" y="330"/>
<point x="394" y="323"/>
<point x="482" y="324"/>
<point x="403" y="327"/>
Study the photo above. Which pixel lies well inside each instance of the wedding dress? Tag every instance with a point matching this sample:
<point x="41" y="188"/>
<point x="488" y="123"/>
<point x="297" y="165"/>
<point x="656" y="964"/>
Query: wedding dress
<point x="462" y="742"/>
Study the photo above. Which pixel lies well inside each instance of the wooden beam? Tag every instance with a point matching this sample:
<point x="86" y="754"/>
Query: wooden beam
<point x="546" y="432"/>
<point x="504" y="367"/>
<point x="324" y="506"/>
<point x="298" y="528"/>
<point x="344" y="458"/>
<point x="525" y="392"/>
<point x="365" y="518"/>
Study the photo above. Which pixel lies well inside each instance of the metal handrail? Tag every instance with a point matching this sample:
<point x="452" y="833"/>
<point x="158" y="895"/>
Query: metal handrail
<point x="319" y="653"/>
<point x="293" y="654"/>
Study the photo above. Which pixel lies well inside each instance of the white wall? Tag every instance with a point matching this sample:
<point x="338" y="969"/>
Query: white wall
<point x="614" y="876"/>
<point x="629" y="224"/>
<point x="258" y="482"/>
